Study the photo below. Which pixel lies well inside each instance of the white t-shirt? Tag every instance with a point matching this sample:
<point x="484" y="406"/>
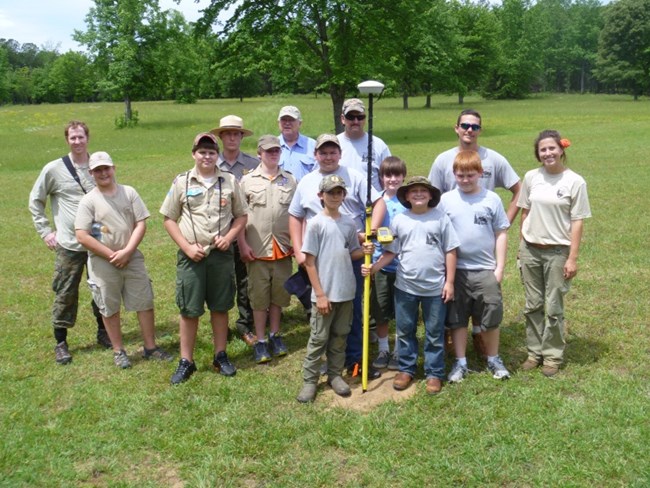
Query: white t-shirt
<point x="354" y="154"/>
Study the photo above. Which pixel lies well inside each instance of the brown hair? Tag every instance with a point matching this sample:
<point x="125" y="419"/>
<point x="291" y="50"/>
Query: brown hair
<point x="392" y="165"/>
<point x="469" y="111"/>
<point x="73" y="124"/>
<point x="549" y="134"/>
<point x="467" y="160"/>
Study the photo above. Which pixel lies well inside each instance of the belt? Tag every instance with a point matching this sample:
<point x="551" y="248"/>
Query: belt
<point x="543" y="246"/>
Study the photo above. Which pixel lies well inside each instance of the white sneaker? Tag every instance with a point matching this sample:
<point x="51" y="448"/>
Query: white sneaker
<point x="498" y="369"/>
<point x="457" y="373"/>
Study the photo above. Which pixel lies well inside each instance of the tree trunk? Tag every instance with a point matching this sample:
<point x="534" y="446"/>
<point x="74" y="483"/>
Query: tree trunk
<point x="128" y="113"/>
<point x="427" y="104"/>
<point x="337" y="94"/>
<point x="405" y="101"/>
<point x="461" y="98"/>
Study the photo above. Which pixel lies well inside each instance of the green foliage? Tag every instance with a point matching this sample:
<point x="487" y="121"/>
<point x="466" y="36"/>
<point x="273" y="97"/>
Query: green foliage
<point x="122" y="122"/>
<point x="624" y="47"/>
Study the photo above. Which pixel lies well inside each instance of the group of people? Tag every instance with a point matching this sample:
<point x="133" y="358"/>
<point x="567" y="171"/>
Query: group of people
<point x="240" y="221"/>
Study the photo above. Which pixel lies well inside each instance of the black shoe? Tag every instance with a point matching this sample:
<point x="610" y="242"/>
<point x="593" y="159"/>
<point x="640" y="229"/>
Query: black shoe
<point x="355" y="370"/>
<point x="103" y="340"/>
<point x="223" y="365"/>
<point x="62" y="354"/>
<point x="183" y="372"/>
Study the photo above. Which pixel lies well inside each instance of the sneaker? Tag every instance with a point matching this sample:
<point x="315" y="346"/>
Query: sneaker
<point x="156" y="353"/>
<point x="355" y="370"/>
<point x="393" y="363"/>
<point x="498" y="369"/>
<point x="62" y="354"/>
<point x="529" y="364"/>
<point x="457" y="373"/>
<point x="307" y="393"/>
<point x="103" y="340"/>
<point x="223" y="365"/>
<point x="277" y="345"/>
<point x="261" y="353"/>
<point x="339" y="386"/>
<point x="549" y="370"/>
<point x="381" y="362"/>
<point x="121" y="360"/>
<point x="184" y="370"/>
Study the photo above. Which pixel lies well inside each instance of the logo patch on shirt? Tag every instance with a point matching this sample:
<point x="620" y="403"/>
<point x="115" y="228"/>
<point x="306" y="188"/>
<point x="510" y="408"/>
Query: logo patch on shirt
<point x="432" y="240"/>
<point x="480" y="219"/>
<point x="192" y="192"/>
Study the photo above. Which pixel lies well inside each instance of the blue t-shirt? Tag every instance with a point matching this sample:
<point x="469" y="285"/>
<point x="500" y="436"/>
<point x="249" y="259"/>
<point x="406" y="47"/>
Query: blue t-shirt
<point x="393" y="208"/>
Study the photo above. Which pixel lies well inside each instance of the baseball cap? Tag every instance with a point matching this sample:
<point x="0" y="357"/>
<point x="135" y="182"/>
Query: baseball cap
<point x="290" y="111"/>
<point x="205" y="139"/>
<point x="267" y="142"/>
<point x="353" y="105"/>
<point x="330" y="182"/>
<point x="99" y="158"/>
<point x="325" y="138"/>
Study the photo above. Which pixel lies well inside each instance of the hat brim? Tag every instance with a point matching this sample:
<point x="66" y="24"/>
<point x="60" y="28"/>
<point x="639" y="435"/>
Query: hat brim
<point x="217" y="132"/>
<point x="433" y="191"/>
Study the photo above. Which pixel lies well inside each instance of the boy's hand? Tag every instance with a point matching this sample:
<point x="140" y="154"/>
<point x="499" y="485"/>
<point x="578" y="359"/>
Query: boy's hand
<point x="195" y="252"/>
<point x="120" y="258"/>
<point x="300" y="257"/>
<point x="368" y="248"/>
<point x="498" y="274"/>
<point x="448" y="292"/>
<point x="366" y="270"/>
<point x="221" y="243"/>
<point x="570" y="268"/>
<point x="246" y="252"/>
<point x="323" y="305"/>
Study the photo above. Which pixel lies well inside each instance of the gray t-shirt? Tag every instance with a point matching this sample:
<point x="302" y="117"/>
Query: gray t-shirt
<point x="421" y="242"/>
<point x="305" y="203"/>
<point x="354" y="154"/>
<point x="476" y="218"/>
<point x="331" y="241"/>
<point x="497" y="172"/>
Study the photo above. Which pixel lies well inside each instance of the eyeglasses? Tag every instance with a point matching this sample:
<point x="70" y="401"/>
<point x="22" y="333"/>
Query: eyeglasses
<point x="466" y="126"/>
<point x="353" y="117"/>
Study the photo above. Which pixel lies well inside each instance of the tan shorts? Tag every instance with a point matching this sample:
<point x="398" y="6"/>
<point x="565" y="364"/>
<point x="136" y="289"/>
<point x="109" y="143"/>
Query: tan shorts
<point x="110" y="285"/>
<point x="266" y="283"/>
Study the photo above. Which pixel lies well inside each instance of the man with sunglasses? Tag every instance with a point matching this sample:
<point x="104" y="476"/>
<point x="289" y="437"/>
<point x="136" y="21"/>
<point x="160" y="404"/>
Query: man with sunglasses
<point x="497" y="172"/>
<point x="354" y="141"/>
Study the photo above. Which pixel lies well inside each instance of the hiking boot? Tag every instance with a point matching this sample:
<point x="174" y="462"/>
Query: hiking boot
<point x="277" y="345"/>
<point x="261" y="353"/>
<point x="156" y="353"/>
<point x="479" y="346"/>
<point x="393" y="363"/>
<point x="249" y="339"/>
<point x="307" y="393"/>
<point x="339" y="386"/>
<point x="549" y="370"/>
<point x="103" y="339"/>
<point x="355" y="370"/>
<point x="433" y="386"/>
<point x="381" y="362"/>
<point x="121" y="360"/>
<point x="498" y="369"/>
<point x="457" y="373"/>
<point x="223" y="365"/>
<point x="402" y="381"/>
<point x="184" y="370"/>
<point x="529" y="364"/>
<point x="62" y="354"/>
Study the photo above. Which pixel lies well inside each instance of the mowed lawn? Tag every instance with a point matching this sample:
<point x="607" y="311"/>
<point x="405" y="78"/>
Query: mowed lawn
<point x="89" y="424"/>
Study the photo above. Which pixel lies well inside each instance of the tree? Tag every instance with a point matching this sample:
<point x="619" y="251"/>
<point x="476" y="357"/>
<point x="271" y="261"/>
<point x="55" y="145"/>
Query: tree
<point x="624" y="46"/>
<point x="118" y="38"/>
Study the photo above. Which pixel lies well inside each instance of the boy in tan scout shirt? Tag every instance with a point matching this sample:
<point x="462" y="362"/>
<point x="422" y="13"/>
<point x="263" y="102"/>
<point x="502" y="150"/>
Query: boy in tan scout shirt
<point x="204" y="211"/>
<point x="265" y="245"/>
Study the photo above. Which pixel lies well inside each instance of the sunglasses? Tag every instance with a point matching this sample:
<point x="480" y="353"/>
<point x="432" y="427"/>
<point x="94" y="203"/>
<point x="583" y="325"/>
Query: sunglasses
<point x="466" y="126"/>
<point x="353" y="117"/>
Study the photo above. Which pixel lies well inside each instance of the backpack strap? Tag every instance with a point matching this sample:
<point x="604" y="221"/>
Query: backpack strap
<point x="73" y="172"/>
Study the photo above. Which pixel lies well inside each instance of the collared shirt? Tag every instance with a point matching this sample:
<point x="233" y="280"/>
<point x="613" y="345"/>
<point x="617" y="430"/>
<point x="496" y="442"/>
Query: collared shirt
<point x="299" y="158"/>
<point x="56" y="182"/>
<point x="354" y="154"/>
<point x="244" y="163"/>
<point x="204" y="209"/>
<point x="268" y="216"/>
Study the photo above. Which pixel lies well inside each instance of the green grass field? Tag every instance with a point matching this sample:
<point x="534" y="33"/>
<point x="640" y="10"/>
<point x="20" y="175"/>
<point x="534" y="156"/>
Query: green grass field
<point x="88" y="424"/>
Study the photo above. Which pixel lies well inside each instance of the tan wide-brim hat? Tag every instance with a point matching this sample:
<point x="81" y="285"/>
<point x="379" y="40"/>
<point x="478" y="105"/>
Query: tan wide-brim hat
<point x="231" y="122"/>
<point x="419" y="181"/>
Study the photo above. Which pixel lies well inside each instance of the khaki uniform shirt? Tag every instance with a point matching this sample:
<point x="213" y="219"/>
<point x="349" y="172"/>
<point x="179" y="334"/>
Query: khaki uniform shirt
<point x="244" y="164"/>
<point x="203" y="209"/>
<point x="268" y="217"/>
<point x="56" y="182"/>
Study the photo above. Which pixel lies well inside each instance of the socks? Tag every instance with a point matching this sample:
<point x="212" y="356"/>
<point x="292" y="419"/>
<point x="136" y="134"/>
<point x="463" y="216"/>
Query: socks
<point x="462" y="361"/>
<point x="383" y="344"/>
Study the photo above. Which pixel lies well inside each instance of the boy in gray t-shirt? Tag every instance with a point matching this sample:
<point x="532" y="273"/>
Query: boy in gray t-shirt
<point x="481" y="223"/>
<point x="330" y="245"/>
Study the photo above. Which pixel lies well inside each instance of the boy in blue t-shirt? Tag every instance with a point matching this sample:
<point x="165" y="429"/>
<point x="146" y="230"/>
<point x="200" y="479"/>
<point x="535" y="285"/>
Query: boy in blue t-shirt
<point x="482" y="224"/>
<point x="425" y="242"/>
<point x="392" y="172"/>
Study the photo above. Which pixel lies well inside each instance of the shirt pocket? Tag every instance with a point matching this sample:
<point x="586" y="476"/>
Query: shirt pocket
<point x="285" y="195"/>
<point x="257" y="197"/>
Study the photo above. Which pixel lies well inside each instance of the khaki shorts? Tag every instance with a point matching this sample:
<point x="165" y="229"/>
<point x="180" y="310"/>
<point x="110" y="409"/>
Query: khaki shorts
<point x="266" y="283"/>
<point x="110" y="285"/>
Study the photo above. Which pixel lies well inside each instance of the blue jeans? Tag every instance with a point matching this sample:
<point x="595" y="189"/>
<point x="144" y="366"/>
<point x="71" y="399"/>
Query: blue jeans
<point x="407" y="309"/>
<point x="354" y="348"/>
